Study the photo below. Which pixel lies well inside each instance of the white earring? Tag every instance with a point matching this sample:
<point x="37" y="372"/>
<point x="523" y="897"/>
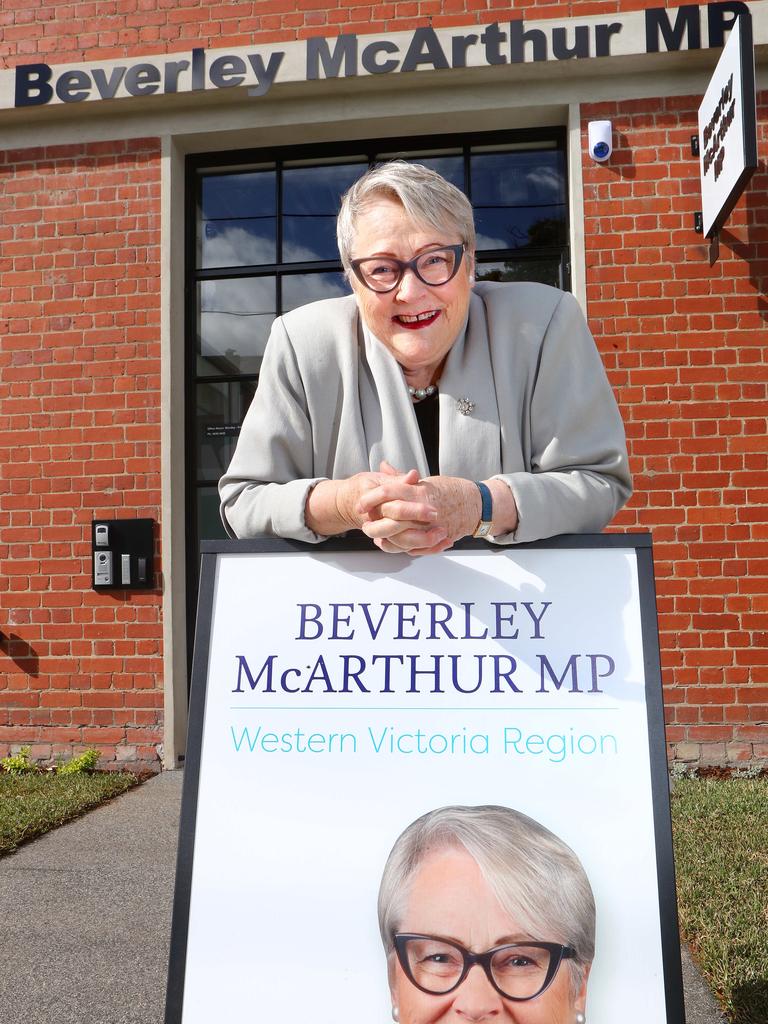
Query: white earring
<point x="395" y="1013"/>
<point x="580" y="1018"/>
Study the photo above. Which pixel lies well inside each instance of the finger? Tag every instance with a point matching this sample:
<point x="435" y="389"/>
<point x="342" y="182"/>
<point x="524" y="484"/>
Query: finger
<point x="387" y="526"/>
<point x="405" y="534"/>
<point x="417" y="540"/>
<point x="408" y="511"/>
<point x="391" y="490"/>
<point x="387" y="469"/>
<point x="386" y="545"/>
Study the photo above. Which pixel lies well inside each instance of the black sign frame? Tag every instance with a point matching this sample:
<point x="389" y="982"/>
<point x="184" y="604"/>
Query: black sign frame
<point x="641" y="544"/>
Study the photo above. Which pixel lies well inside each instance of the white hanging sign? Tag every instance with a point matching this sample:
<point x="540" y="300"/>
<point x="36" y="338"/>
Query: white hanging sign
<point x="728" y="128"/>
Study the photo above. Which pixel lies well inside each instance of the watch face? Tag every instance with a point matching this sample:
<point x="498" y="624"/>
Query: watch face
<point x="483" y="530"/>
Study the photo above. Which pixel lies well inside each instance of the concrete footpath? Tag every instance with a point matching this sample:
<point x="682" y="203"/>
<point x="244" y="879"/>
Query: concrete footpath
<point x="85" y="917"/>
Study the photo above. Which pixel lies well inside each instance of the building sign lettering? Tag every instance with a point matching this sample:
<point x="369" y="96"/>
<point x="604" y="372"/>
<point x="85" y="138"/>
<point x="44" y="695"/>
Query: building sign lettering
<point x="349" y="55"/>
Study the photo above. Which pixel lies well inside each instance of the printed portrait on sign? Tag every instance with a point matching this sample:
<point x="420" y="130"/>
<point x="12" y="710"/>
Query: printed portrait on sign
<point x="484" y="912"/>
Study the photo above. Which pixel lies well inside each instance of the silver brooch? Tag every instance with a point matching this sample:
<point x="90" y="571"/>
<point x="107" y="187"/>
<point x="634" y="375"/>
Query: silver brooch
<point x="465" y="406"/>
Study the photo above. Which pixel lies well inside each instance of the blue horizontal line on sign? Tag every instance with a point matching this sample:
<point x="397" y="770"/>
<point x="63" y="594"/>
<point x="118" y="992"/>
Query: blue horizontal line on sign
<point x="386" y="707"/>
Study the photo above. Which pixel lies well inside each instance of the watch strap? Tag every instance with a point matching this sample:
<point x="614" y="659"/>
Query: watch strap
<point x="485" y="525"/>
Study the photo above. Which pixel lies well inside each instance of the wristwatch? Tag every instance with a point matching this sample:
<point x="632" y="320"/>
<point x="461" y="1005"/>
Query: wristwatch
<point x="485" y="525"/>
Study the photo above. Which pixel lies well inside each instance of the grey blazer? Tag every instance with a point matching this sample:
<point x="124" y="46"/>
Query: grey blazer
<point x="332" y="401"/>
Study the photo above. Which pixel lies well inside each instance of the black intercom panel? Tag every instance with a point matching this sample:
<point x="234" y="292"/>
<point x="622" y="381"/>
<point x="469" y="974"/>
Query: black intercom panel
<point x="123" y="551"/>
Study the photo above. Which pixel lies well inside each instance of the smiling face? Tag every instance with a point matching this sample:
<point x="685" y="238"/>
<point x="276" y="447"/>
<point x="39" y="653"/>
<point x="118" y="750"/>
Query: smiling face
<point x="418" y="323"/>
<point x="450" y="898"/>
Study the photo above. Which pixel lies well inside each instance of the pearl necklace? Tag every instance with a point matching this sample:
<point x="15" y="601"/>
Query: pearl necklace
<point x="419" y="393"/>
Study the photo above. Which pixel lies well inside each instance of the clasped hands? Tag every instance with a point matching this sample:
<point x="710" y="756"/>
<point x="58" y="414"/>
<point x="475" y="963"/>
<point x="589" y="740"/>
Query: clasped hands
<point x="403" y="513"/>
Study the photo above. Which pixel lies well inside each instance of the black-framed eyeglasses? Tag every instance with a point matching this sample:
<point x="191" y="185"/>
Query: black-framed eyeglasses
<point x="518" y="971"/>
<point x="433" y="267"/>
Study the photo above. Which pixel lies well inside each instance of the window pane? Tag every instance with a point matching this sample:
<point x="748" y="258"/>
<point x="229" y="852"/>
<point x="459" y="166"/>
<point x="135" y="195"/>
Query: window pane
<point x="221" y="407"/>
<point x="519" y="199"/>
<point x="235" y="317"/>
<point x="311" y="199"/>
<point x="238" y="220"/>
<point x="299" y="289"/>
<point x="506" y="227"/>
<point x="518" y="178"/>
<point x="450" y="165"/>
<point x="545" y="271"/>
<point x="209" y="524"/>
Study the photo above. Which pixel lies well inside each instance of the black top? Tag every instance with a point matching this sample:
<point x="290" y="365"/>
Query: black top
<point x="427" y="416"/>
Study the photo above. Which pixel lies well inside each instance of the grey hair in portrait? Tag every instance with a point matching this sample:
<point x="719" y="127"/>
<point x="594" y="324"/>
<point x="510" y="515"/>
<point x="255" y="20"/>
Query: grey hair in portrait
<point x="535" y="876"/>
<point x="426" y="197"/>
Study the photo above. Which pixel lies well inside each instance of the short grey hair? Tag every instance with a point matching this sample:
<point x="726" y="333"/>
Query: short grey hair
<point x="425" y="195"/>
<point x="535" y="876"/>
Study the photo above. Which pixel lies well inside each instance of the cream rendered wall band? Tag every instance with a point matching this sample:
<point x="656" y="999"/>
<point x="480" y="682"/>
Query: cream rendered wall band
<point x="514" y="43"/>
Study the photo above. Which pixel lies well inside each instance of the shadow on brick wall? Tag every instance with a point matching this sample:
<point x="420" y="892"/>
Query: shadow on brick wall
<point x="622" y="162"/>
<point x="754" y="251"/>
<point x="20" y="652"/>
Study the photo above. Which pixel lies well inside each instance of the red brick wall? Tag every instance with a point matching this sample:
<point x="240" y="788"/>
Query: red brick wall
<point x="64" y="32"/>
<point x="79" y="438"/>
<point x="686" y="347"/>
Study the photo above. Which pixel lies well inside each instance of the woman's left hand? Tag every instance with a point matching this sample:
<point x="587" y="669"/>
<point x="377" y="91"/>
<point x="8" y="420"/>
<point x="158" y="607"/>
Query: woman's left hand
<point x="390" y="510"/>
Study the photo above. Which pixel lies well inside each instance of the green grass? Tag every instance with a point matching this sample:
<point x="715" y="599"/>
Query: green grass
<point x="721" y="857"/>
<point x="35" y="803"/>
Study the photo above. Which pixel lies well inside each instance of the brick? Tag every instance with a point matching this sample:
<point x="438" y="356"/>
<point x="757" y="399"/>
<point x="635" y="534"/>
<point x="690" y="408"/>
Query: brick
<point x="684" y="345"/>
<point x="687" y="751"/>
<point x="50" y="361"/>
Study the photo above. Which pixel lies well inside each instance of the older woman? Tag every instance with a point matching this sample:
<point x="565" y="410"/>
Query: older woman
<point x="425" y="408"/>
<point x="486" y="915"/>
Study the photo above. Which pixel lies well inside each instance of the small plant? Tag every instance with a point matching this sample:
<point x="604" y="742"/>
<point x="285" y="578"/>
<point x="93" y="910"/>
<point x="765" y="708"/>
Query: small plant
<point x="754" y="770"/>
<point x="681" y="770"/>
<point x="18" y="764"/>
<point x="85" y="762"/>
